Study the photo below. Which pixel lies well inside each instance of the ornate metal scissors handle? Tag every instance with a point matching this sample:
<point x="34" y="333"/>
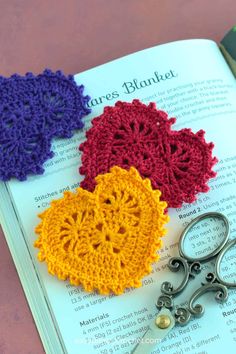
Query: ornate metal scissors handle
<point x="193" y="266"/>
<point x="170" y="315"/>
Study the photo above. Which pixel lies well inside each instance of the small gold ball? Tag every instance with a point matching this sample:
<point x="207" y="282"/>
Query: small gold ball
<point x="163" y="321"/>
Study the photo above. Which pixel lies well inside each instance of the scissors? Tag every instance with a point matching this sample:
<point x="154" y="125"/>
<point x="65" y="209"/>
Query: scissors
<point x="170" y="315"/>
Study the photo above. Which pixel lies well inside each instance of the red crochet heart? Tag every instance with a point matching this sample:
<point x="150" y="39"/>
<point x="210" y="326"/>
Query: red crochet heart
<point x="179" y="163"/>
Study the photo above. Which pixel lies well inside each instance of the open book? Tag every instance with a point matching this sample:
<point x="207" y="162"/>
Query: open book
<point x="192" y="81"/>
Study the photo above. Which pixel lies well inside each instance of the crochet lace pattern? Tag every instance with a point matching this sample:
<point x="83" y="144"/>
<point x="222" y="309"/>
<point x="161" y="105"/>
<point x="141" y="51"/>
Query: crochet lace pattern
<point x="22" y="152"/>
<point x="178" y="163"/>
<point x="105" y="240"/>
<point x="33" y="110"/>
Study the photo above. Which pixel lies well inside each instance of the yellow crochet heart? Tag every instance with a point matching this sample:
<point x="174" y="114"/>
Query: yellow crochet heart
<point x="105" y="240"/>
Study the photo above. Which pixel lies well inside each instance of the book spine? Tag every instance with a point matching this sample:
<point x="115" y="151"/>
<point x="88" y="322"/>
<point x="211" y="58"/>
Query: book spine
<point x="228" y="49"/>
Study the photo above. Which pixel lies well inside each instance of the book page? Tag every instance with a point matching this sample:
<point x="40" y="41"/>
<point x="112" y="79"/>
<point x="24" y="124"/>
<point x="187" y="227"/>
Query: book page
<point x="192" y="82"/>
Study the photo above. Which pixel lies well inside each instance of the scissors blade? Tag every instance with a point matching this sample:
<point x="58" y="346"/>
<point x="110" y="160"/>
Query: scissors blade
<point x="158" y="329"/>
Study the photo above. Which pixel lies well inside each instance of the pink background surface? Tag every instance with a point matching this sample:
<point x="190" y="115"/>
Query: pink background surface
<point x="74" y="35"/>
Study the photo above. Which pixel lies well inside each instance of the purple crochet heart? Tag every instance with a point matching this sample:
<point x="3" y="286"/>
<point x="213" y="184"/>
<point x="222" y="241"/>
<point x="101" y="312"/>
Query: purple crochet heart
<point x="33" y="110"/>
<point x="50" y="101"/>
